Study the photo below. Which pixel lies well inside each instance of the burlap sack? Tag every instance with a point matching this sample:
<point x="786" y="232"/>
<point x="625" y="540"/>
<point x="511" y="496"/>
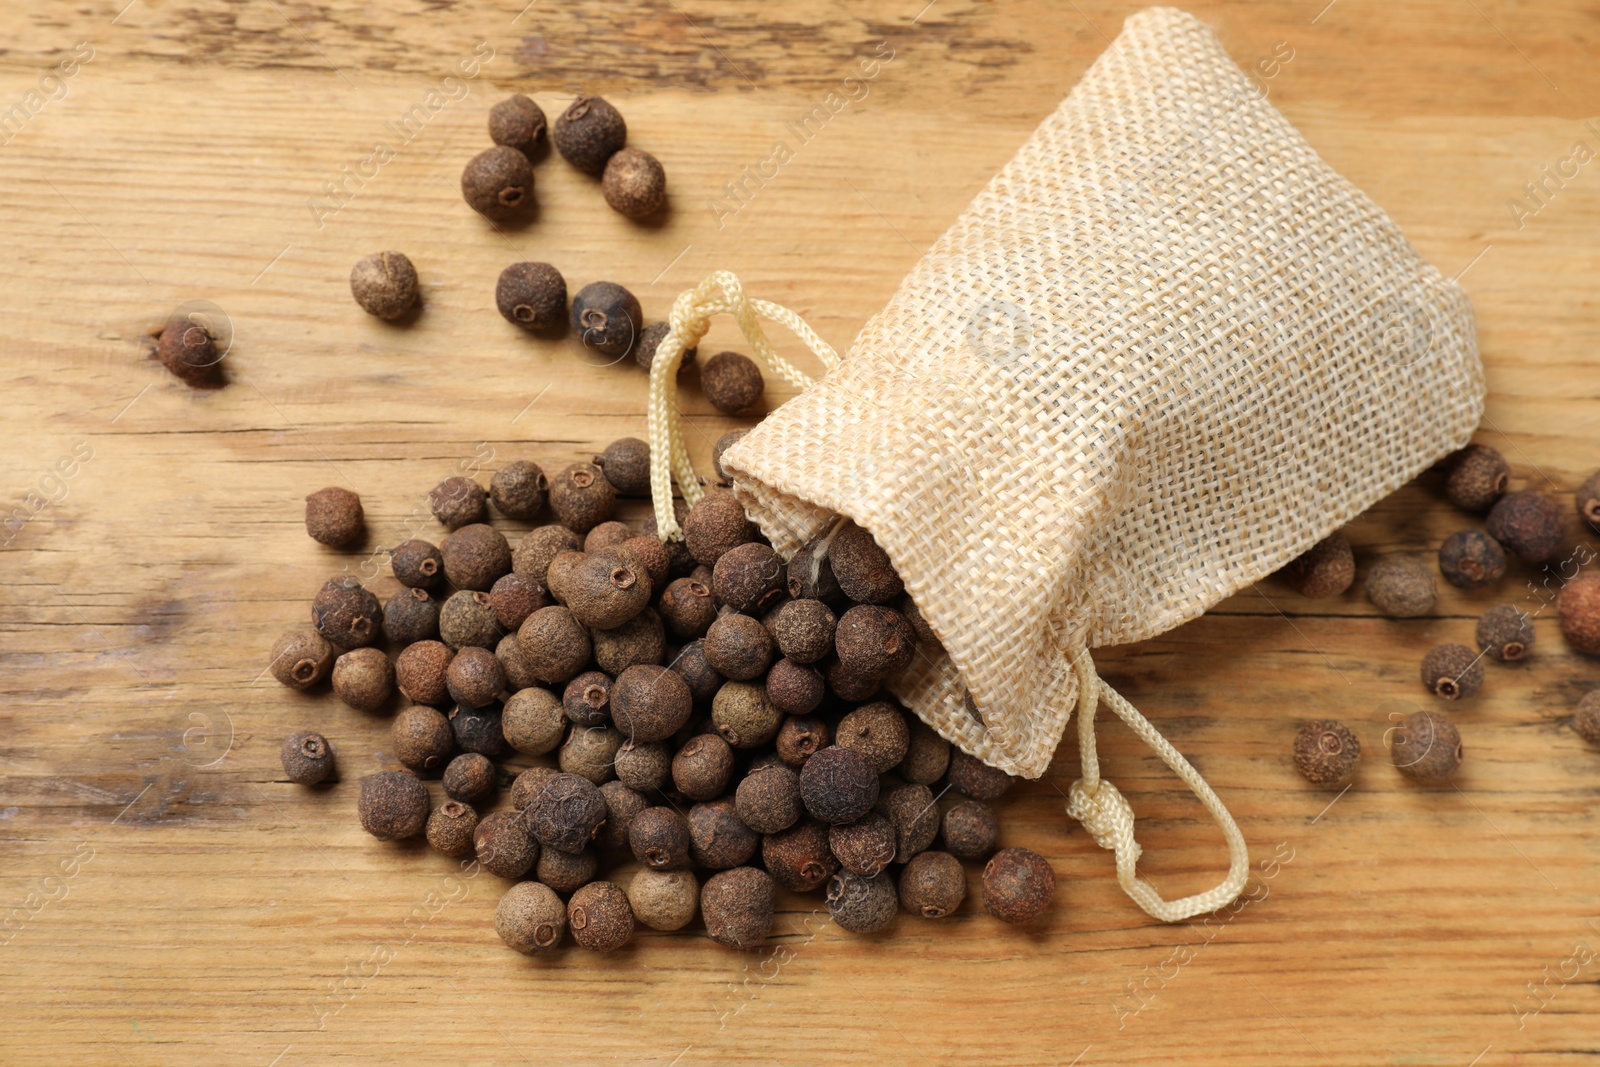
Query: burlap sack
<point x="1164" y="352"/>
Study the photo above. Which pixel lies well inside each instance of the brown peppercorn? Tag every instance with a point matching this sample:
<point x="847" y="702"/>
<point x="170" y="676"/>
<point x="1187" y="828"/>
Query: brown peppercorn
<point x="659" y="838"/>
<point x="417" y="564"/>
<point x="687" y="607"/>
<point x="334" y="517"/>
<point x="392" y="805"/>
<point x="725" y="442"/>
<point x="795" y="688"/>
<point x="497" y="183"/>
<point x="608" y="534"/>
<point x="516" y="596"/>
<point x="1326" y="752"/>
<point x="384" y="284"/>
<point x="715" y="525"/>
<point x="1427" y="747"/>
<point x="587" y="699"/>
<point x="718" y="838"/>
<point x="642" y="640"/>
<point x="475" y="677"/>
<point x="411" y="615"/>
<point x="1017" y="885"/>
<point x="838" y="784"/>
<point x="1505" y="633"/>
<point x="650" y="702"/>
<point x="933" y="885"/>
<point x="737" y="907"/>
<point x="970" y="775"/>
<point x="518" y="490"/>
<point x="803" y="630"/>
<point x="970" y="830"/>
<point x="622" y="804"/>
<point x="738" y="647"/>
<point x="799" y="857"/>
<point x="558" y="578"/>
<point x="479" y="730"/>
<point x="702" y="768"/>
<point x="458" y="502"/>
<point x="1586" y="720"/>
<point x="1401" y="587"/>
<point x="533" y="721"/>
<point x="919" y="625"/>
<point x="861" y="568"/>
<point x="607" y="321"/>
<point x="873" y="640"/>
<point x="542" y="544"/>
<point x="307" y="757"/>
<point x="652" y="555"/>
<point x="1476" y="478"/>
<point x="878" y="731"/>
<point x="450" y="828"/>
<point x="475" y="556"/>
<point x="865" y="846"/>
<point x="606" y="589"/>
<point x="301" y="659"/>
<point x="644" y="765"/>
<point x="1471" y="559"/>
<point x="581" y="497"/>
<point x="467" y="620"/>
<point x="1587" y="498"/>
<point x="470" y="778"/>
<point x="664" y="900"/>
<point x="422" y="738"/>
<point x="634" y="183"/>
<point x="588" y="133"/>
<point x="531" y="918"/>
<point x="744" y="716"/>
<point x="1324" y="570"/>
<point x="626" y="465"/>
<point x="927" y="755"/>
<point x="768" y="800"/>
<point x="421" y="671"/>
<point x="732" y="382"/>
<point x="702" y="679"/>
<point x="189" y="352"/>
<point x="810" y="574"/>
<point x="517" y="122"/>
<point x="1452" y="671"/>
<point x="1528" y="525"/>
<point x="527" y="784"/>
<point x="591" y="751"/>
<point x="566" y="812"/>
<point x="913" y="811"/>
<point x="644" y="353"/>
<point x="518" y="674"/>
<point x="800" y="737"/>
<point x="566" y="872"/>
<point x="1579" y="611"/>
<point x="363" y="678"/>
<point x="862" y="905"/>
<point x="555" y="645"/>
<point x="503" y="844"/>
<point x="848" y="685"/>
<point x="748" y="578"/>
<point x="346" y="614"/>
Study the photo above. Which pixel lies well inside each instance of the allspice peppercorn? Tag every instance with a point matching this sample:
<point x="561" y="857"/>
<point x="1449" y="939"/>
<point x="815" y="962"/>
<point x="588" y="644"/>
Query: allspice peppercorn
<point x="810" y="574"/>
<point x="1326" y="569"/>
<point x="1471" y="559"/>
<point x="664" y="900"/>
<point x="795" y="688"/>
<point x="475" y="556"/>
<point x="687" y="607"/>
<point x="307" y="757"/>
<point x="927" y="755"/>
<point x="715" y="525"/>
<point x="768" y="799"/>
<point x="1017" y="885"/>
<point x="458" y="502"/>
<point x="384" y="284"/>
<point x="421" y="672"/>
<point x="970" y="775"/>
<point x="800" y="737"/>
<point x="581" y="498"/>
<point x="702" y="679"/>
<point x="588" y="133"/>
<point x="527" y="784"/>
<point x="467" y="619"/>
<point x="644" y="765"/>
<point x="417" y="564"/>
<point x="748" y="578"/>
<point x="363" y="678"/>
<point x="874" y="640"/>
<point x="531" y="918"/>
<point x="1528" y="525"/>
<point x="518" y="492"/>
<point x="970" y="830"/>
<point x="933" y="885"/>
<point x="725" y="442"/>
<point x="650" y="703"/>
<point x="346" y="614"/>
<point x="737" y="907"/>
<point x="533" y="721"/>
<point x="862" y="905"/>
<point x="732" y="382"/>
<point x="626" y="465"/>
<point x="1476" y="478"/>
<point x="848" y="685"/>
<point x="422" y="738"/>
<point x="301" y="659"/>
<point x="516" y="596"/>
<point x="334" y="517"/>
<point x="591" y="751"/>
<point x="702" y="768"/>
<point x="799" y="857"/>
<point x="1505" y="632"/>
<point x="861" y="568"/>
<point x="392" y="805"/>
<point x="479" y="730"/>
<point x="803" y="630"/>
<point x="1586" y="720"/>
<point x="1452" y="671"/>
<point x="566" y="872"/>
<point x="1326" y="752"/>
<point x="497" y="183"/>
<point x="606" y="589"/>
<point x="542" y="544"/>
<point x="634" y="183"/>
<point x="470" y="778"/>
<point x="878" y="731"/>
<point x="503" y="844"/>
<point x="587" y="699"/>
<point x="450" y="828"/>
<point x="1401" y="587"/>
<point x="642" y="640"/>
<point x="566" y="812"/>
<point x="475" y="677"/>
<point x="739" y="647"/>
<point x="839" y="785"/>
<point x="1579" y="612"/>
<point x="744" y="716"/>
<point x="608" y="534"/>
<point x="652" y="555"/>
<point x="718" y="838"/>
<point x="659" y="838"/>
<point x="644" y="353"/>
<point x="866" y="846"/>
<point x="1427" y="747"/>
<point x="517" y="122"/>
<point x="533" y="296"/>
<point x="622" y="804"/>
<point x="189" y="352"/>
<point x="554" y="644"/>
<point x="914" y="813"/>
<point x="607" y="320"/>
<point x="1587" y="498"/>
<point x="411" y="615"/>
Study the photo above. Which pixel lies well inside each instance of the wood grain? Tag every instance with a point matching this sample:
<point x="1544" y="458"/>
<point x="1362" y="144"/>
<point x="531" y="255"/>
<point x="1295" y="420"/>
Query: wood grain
<point x="174" y="901"/>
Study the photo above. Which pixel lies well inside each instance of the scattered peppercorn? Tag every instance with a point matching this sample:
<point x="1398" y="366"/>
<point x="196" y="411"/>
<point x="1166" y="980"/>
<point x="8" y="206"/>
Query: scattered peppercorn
<point x="1579" y="612"/>
<point x="664" y="900"/>
<point x="517" y="122"/>
<point x="650" y="702"/>
<point x="1476" y="478"/>
<point x="1528" y="525"/>
<point x="862" y="905"/>
<point x="641" y="641"/>
<point x="970" y="775"/>
<point x="475" y="556"/>
<point x="467" y="619"/>
<point x="475" y="677"/>
<point x="417" y="564"/>
<point x="800" y="737"/>
<point x="811" y="575"/>
<point x="1586" y="721"/>
<point x="659" y="838"/>
<point x="516" y="596"/>
<point x="458" y="502"/>
<point x="531" y="918"/>
<point x="970" y="830"/>
<point x="919" y="625"/>
<point x="411" y="615"/>
<point x="725" y="442"/>
<point x="715" y="525"/>
<point x="861" y="568"/>
<point x="189" y="352"/>
<point x="739" y="647"/>
<point x="737" y="907"/>
<point x="622" y="804"/>
<point x="653" y="555"/>
<point x="527" y="784"/>
<point x="301" y="659"/>
<point x="503" y="844"/>
<point x="644" y="353"/>
<point x="566" y="812"/>
<point x="605" y="589"/>
<point x="702" y="768"/>
<point x="848" y="685"/>
<point x="718" y="838"/>
<point x="1452" y="671"/>
<point x="581" y="498"/>
<point x="795" y="688"/>
<point x="644" y="765"/>
<point x="702" y="679"/>
<point x="1401" y="587"/>
<point x="839" y="784"/>
<point x="384" y="284"/>
<point x="392" y="805"/>
<point x="346" y="614"/>
<point x="634" y="183"/>
<point x="533" y="721"/>
<point x="1587" y="498"/>
<point x="607" y="320"/>
<point x="470" y="778"/>
<point x="1326" y="569"/>
<point x="587" y="699"/>
<point x="799" y="858"/>
<point x="803" y="630"/>
<point x="1471" y="559"/>
<point x="731" y="382"/>
<point x="422" y="738"/>
<point x="591" y="751"/>
<point x="927" y="755"/>
<point x="421" y="672"/>
<point x="478" y="730"/>
<point x="913" y="811"/>
<point x="1505" y="632"/>
<point x="307" y="757"/>
<point x="744" y="716"/>
<point x="556" y="645"/>
<point x="748" y="578"/>
<point x="1017" y="885"/>
<point x="878" y="731"/>
<point x="449" y="829"/>
<point x="1326" y="752"/>
<point x="542" y="544"/>
<point x="497" y="183"/>
<point x="768" y="799"/>
<point x="566" y="872"/>
<point x="363" y="678"/>
<point x="933" y="885"/>
<point x="334" y="518"/>
<point x="1427" y="747"/>
<point x="588" y="133"/>
<point x="687" y="607"/>
<point x="866" y="846"/>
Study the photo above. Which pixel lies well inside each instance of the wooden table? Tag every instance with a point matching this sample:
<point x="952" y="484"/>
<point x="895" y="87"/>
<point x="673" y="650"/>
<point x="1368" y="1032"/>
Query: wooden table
<point x="175" y="901"/>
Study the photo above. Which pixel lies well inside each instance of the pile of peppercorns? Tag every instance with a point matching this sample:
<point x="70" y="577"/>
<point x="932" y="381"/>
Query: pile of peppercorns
<point x="712" y="712"/>
<point x="1523" y="523"/>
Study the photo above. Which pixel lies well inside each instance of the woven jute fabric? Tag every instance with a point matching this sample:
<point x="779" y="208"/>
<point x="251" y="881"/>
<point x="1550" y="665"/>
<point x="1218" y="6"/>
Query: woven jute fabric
<point x="1164" y="352"/>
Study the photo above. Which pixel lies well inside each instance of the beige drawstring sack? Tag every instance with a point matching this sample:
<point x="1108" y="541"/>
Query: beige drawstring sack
<point x="1163" y="353"/>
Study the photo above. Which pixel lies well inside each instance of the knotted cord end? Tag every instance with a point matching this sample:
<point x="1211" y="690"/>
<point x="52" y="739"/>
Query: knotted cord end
<point x="1106" y="814"/>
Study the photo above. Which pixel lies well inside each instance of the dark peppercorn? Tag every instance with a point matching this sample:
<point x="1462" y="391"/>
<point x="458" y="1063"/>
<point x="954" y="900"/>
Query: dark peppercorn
<point x="475" y="556"/>
<point x="516" y="596"/>
<point x="839" y="785"/>
<point x="346" y="614"/>
<point x="1401" y="587"/>
<point x="768" y="800"/>
<point x="725" y="442"/>
<point x="384" y="284"/>
<point x="591" y="751"/>
<point x="1587" y="498"/>
<point x="702" y="768"/>
<point x="664" y="900"/>
<point x="1427" y="747"/>
<point x="1586" y="720"/>
<point x="878" y="731"/>
<point x="622" y="804"/>
<point x="626" y="465"/>
<point x="470" y="778"/>
<point x="608" y="534"/>
<point x="392" y="805"/>
<point x="644" y="353"/>
<point x="301" y="659"/>
<point x="421" y="672"/>
<point x="566" y="812"/>
<point x="702" y="679"/>
<point x="363" y="678"/>
<point x="718" y="838"/>
<point x="1471" y="559"/>
<point x="497" y="183"/>
<point x="531" y="918"/>
<point x="411" y="615"/>
<point x="509" y="653"/>
<point x="1326" y="569"/>
<point x="503" y="844"/>
<point x="795" y="688"/>
<point x="479" y="730"/>
<point x="650" y="703"/>
<point x="862" y="905"/>
<point x="533" y="722"/>
<point x="873" y="640"/>
<point x="1528" y="525"/>
<point x="607" y="320"/>
<point x="534" y="552"/>
<point x="803" y="630"/>
<point x="748" y="578"/>
<point x="1017" y="885"/>
<point x="1505" y="633"/>
<point x="517" y="122"/>
<point x="919" y="625"/>
<point x="659" y="838"/>
<point x="422" y="738"/>
<point x="606" y="589"/>
<point x="581" y="497"/>
<point x="970" y="830"/>
<point x="861" y="568"/>
<point x="518" y="491"/>
<point x="731" y="382"/>
<point x="800" y="737"/>
<point x="644" y="765"/>
<point x="737" y="907"/>
<point x="334" y="518"/>
<point x="188" y="350"/>
<point x="687" y="607"/>
<point x="566" y="872"/>
<point x="1452" y="671"/>
<point x="849" y="685"/>
<point x="450" y="828"/>
<point x="865" y="846"/>
<point x="970" y="775"/>
<point x="467" y="619"/>
<point x="715" y="525"/>
<point x="799" y="857"/>
<point x="458" y="502"/>
<point x="1476" y="478"/>
<point x="640" y="641"/>
<point x="558" y="579"/>
<point x="555" y="645"/>
<point x="1579" y="611"/>
<point x="587" y="699"/>
<point x="744" y="716"/>
<point x="417" y="564"/>
<point x="589" y="133"/>
<point x="634" y="184"/>
<point x="811" y="577"/>
<point x="915" y="816"/>
<point x="927" y="755"/>
<point x="739" y="647"/>
<point x="1326" y="752"/>
<point x="933" y="885"/>
<point x="527" y="784"/>
<point x="307" y="757"/>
